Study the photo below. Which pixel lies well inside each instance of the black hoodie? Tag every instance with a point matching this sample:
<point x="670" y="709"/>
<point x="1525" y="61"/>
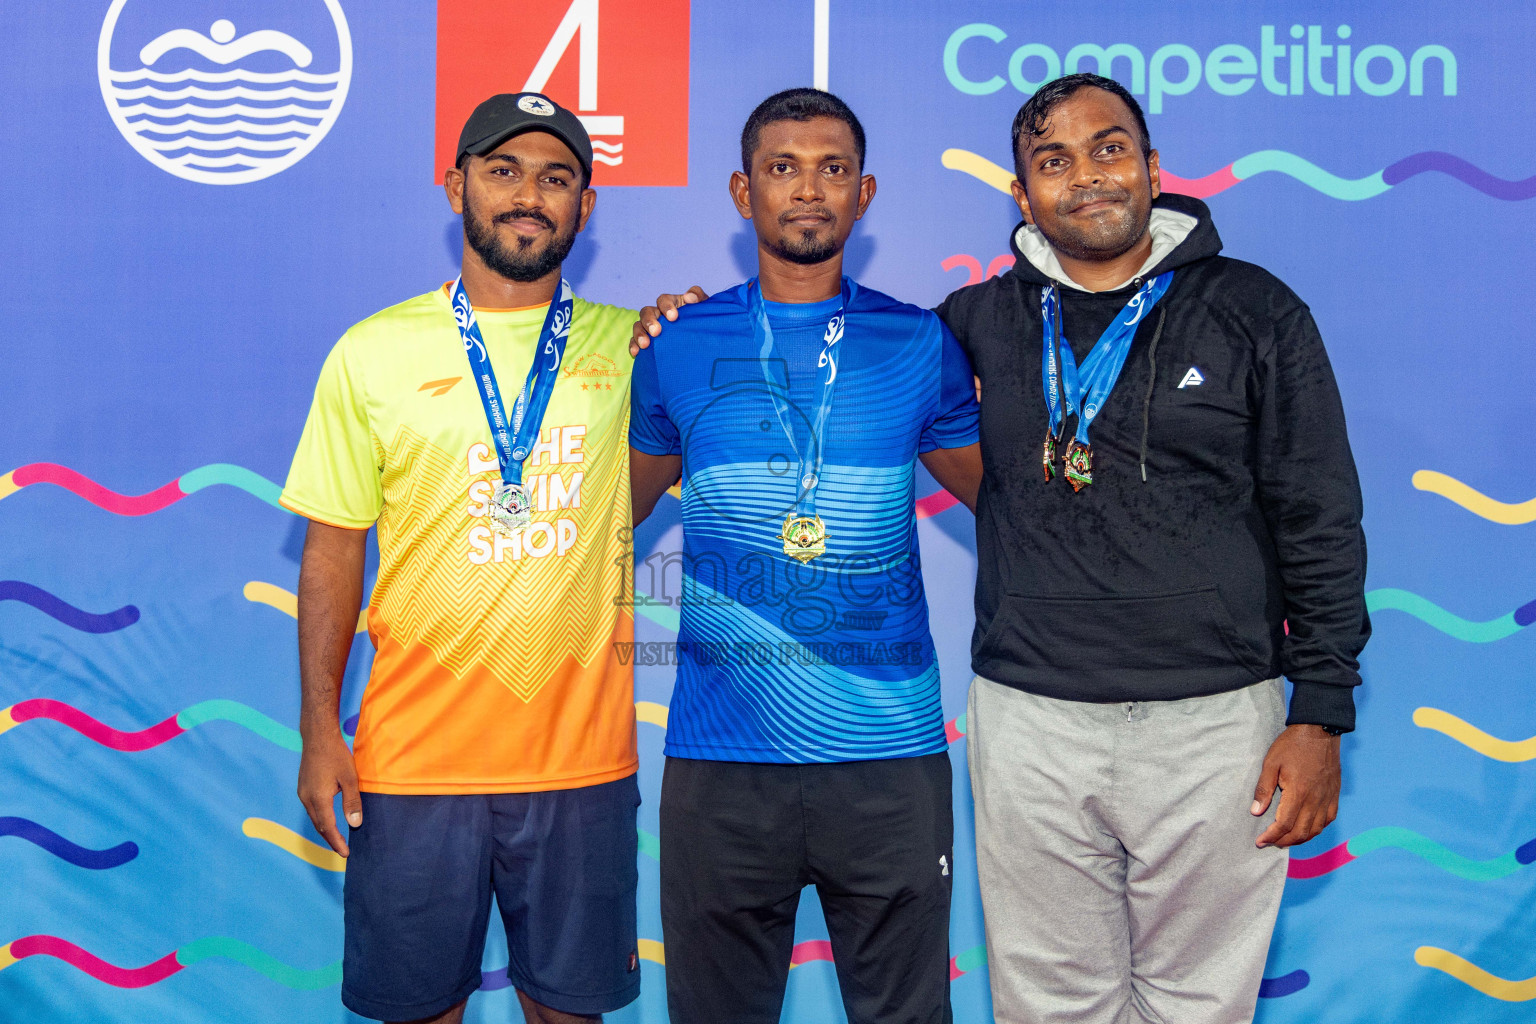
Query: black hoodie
<point x="1220" y="541"/>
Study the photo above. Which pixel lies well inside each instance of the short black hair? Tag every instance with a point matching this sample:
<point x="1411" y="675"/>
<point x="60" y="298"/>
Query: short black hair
<point x="797" y="105"/>
<point x="1034" y="116"/>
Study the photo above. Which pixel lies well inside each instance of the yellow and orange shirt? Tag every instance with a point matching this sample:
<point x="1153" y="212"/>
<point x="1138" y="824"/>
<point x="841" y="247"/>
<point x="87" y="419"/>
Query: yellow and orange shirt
<point x="497" y="668"/>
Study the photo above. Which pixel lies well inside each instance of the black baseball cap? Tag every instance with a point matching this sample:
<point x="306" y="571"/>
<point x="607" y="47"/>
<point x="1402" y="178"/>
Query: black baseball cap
<point x="501" y="117"/>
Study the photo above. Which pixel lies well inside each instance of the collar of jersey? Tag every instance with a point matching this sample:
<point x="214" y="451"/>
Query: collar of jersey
<point x="802" y="310"/>
<point x="519" y="317"/>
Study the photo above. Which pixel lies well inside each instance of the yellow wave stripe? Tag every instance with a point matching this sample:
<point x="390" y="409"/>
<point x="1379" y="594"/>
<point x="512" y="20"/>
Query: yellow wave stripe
<point x="1469" y="735"/>
<point x="676" y="490"/>
<point x="5" y="952"/>
<point x="651" y="713"/>
<point x="1469" y="973"/>
<point x="6" y="721"/>
<point x="276" y="597"/>
<point x="289" y="841"/>
<point x="8" y="487"/>
<point x="980" y="168"/>
<point x="653" y="951"/>
<point x="1474" y="501"/>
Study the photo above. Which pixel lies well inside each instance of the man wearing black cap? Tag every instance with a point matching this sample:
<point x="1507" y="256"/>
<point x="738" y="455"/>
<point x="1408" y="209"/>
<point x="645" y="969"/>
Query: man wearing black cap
<point x="495" y="751"/>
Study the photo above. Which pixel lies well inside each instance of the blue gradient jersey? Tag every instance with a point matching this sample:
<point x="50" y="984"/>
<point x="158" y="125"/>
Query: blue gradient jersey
<point x="829" y="660"/>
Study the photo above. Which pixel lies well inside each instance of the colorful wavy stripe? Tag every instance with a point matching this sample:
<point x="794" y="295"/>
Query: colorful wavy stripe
<point x="1468" y="735"/>
<point x="1391" y="599"/>
<point x="63" y="611"/>
<point x="1474" y="501"/>
<point x="1391" y="837"/>
<point x="80" y="856"/>
<point x="190" y="954"/>
<point x="287" y="602"/>
<point x="1280" y="162"/>
<point x="145" y="739"/>
<point x="290" y="842"/>
<point x="224" y="473"/>
<point x="1468" y="973"/>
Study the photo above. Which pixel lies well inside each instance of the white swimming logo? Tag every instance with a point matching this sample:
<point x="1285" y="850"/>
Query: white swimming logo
<point x="226" y="126"/>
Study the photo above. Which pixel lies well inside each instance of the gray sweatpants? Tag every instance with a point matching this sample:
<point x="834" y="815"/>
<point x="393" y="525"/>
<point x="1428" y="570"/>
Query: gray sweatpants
<point x="1116" y="855"/>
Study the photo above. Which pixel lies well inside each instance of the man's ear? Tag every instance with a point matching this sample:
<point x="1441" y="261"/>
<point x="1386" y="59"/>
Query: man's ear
<point x="741" y="194"/>
<point x="453" y="186"/>
<point x="1154" y="174"/>
<point x="866" y="194"/>
<point x="588" y="200"/>
<point x="1022" y="198"/>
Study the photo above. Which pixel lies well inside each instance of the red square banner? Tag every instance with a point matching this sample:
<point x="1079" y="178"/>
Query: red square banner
<point x="621" y="65"/>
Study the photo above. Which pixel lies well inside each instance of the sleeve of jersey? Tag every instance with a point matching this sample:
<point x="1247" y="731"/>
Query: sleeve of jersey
<point x="956" y="416"/>
<point x="334" y="478"/>
<point x="651" y="430"/>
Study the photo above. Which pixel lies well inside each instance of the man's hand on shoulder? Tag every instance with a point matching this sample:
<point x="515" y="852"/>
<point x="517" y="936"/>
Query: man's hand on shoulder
<point x="649" y="324"/>
<point x="1303" y="763"/>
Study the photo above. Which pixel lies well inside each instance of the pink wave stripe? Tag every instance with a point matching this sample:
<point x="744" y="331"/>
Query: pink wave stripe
<point x="935" y="503"/>
<point x="122" y="977"/>
<point x="1312" y="867"/>
<point x="85" y="725"/>
<point x="1200" y="188"/>
<point x="952" y="733"/>
<point x="954" y="970"/>
<point x="91" y="491"/>
<point x="806" y="952"/>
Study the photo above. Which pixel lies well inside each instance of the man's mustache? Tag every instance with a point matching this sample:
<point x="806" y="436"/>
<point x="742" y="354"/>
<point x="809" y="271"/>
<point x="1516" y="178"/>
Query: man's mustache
<point x="1097" y="196"/>
<point x="819" y="211"/>
<point x="533" y="215"/>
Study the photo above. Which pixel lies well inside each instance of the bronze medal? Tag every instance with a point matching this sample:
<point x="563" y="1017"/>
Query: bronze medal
<point x="1079" y="465"/>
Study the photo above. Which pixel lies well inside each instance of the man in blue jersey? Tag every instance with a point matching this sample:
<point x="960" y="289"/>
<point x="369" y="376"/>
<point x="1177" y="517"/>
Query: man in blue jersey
<point x="805" y="742"/>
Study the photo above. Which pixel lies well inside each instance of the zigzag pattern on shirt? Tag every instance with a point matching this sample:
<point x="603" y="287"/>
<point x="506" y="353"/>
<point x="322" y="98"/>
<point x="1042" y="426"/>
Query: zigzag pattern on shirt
<point x="468" y="614"/>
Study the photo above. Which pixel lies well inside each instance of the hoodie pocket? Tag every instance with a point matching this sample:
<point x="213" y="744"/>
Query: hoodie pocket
<point x="1178" y="630"/>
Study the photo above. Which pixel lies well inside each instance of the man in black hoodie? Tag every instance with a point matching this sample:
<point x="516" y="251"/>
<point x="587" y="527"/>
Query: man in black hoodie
<point x="1168" y="522"/>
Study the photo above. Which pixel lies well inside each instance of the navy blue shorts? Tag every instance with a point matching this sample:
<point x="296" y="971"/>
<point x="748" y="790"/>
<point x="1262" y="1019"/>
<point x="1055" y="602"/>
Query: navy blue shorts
<point x="418" y="899"/>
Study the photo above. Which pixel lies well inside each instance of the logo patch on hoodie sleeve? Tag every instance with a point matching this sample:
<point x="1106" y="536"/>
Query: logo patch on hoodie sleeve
<point x="1192" y="378"/>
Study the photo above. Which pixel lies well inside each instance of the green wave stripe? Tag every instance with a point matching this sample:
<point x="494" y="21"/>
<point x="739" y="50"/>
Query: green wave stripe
<point x="231" y="476"/>
<point x="1391" y="836"/>
<point x="972" y="959"/>
<point x="247" y="717"/>
<point x="650" y="845"/>
<point x="1309" y="174"/>
<point x="244" y="953"/>
<point x="1391" y="599"/>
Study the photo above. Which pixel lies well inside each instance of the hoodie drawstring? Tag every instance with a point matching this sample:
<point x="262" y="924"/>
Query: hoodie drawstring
<point x="1146" y="405"/>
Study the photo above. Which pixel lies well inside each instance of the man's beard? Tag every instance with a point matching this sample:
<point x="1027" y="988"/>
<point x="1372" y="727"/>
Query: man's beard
<point x="1106" y="239"/>
<point x="523" y="263"/>
<point x="799" y="245"/>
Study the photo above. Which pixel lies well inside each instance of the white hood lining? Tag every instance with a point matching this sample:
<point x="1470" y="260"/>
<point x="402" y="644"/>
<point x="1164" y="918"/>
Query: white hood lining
<point x="1168" y="229"/>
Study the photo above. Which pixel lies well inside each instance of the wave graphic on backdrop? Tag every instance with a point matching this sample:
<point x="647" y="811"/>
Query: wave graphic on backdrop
<point x="73" y="853"/>
<point x="231" y="125"/>
<point x="145" y="739"/>
<point x="1468" y="973"/>
<point x="140" y="504"/>
<point x="192" y="953"/>
<point x="289" y="841"/>
<point x="1281" y="162"/>
<point x="1391" y="837"/>
<point x="63" y="611"/>
<point x="1391" y="599"/>
<point x="1469" y="735"/>
<point x="1474" y="501"/>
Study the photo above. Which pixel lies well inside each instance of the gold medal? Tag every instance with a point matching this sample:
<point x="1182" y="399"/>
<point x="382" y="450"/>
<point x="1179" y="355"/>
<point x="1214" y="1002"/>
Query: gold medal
<point x="1079" y="465"/>
<point x="1048" y="457"/>
<point x="804" y="537"/>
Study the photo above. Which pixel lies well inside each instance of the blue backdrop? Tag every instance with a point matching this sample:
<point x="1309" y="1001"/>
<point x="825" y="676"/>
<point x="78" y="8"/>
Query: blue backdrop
<point x="174" y="277"/>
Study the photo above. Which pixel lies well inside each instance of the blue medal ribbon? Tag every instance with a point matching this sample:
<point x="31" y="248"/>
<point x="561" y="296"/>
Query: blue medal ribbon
<point x="515" y="431"/>
<point x="810" y="455"/>
<point x="1070" y="389"/>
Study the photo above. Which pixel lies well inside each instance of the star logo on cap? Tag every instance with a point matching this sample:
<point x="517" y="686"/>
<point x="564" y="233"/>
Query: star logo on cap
<point x="536" y="105"/>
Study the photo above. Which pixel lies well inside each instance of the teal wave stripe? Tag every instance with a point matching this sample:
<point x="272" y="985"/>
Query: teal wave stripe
<point x="241" y="715"/>
<point x="218" y="946"/>
<point x="664" y="615"/>
<point x="1391" y="599"/>
<point x="230" y="475"/>
<point x="650" y="845"/>
<point x="1391" y="836"/>
<point x="1309" y="174"/>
